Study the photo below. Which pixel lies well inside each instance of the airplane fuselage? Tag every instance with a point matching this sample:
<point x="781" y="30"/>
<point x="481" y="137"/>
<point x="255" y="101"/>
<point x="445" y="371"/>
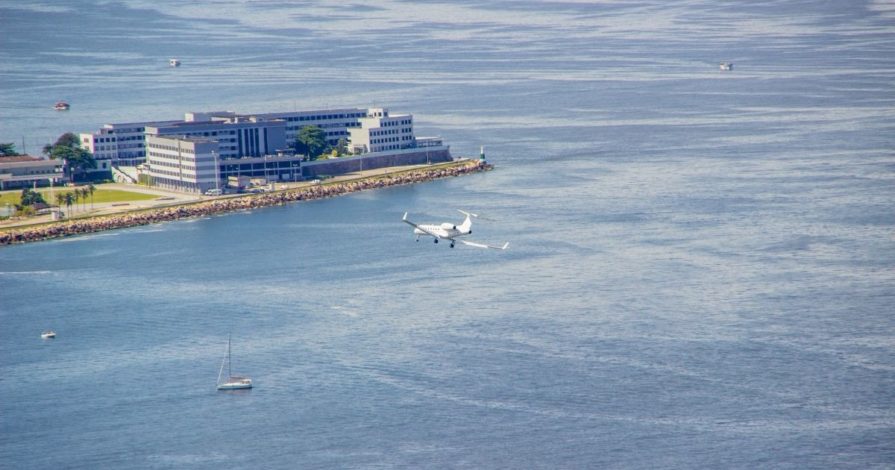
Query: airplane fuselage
<point x="440" y="231"/>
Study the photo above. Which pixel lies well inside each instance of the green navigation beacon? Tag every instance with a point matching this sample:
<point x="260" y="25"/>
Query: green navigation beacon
<point x="482" y="155"/>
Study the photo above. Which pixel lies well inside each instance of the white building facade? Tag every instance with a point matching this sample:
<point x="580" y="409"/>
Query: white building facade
<point x="334" y="122"/>
<point x="379" y="132"/>
<point x="125" y="143"/>
<point x="179" y="153"/>
<point x="182" y="163"/>
<point x="237" y="136"/>
<point x="121" y="144"/>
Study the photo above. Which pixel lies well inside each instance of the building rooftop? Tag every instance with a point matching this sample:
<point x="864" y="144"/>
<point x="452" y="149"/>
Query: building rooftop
<point x="139" y="124"/>
<point x="195" y="139"/>
<point x="19" y="159"/>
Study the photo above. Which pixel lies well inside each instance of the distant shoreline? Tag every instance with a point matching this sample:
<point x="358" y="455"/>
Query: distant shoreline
<point x="134" y="218"/>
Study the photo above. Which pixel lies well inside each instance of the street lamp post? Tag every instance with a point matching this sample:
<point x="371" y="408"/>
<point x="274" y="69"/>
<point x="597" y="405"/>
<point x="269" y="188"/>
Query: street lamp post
<point x="217" y="172"/>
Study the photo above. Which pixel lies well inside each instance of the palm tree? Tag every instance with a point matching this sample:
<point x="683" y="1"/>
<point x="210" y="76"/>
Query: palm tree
<point x="91" y="189"/>
<point x="75" y="197"/>
<point x="60" y="199"/>
<point x="83" y="196"/>
<point x="69" y="200"/>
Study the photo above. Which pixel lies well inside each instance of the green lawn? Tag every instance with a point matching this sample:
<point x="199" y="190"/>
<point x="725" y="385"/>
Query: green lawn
<point x="99" y="196"/>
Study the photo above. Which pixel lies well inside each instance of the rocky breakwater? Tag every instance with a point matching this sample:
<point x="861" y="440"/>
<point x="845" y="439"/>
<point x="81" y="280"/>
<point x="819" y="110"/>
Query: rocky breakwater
<point x="220" y="206"/>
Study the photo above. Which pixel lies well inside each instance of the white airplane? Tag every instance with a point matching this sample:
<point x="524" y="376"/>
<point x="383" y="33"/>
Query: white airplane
<point x="449" y="231"/>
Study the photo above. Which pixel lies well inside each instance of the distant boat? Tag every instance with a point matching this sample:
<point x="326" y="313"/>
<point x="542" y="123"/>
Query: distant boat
<point x="174" y="62"/>
<point x="233" y="382"/>
<point x="49" y="334"/>
<point x="726" y="66"/>
<point x="61" y="106"/>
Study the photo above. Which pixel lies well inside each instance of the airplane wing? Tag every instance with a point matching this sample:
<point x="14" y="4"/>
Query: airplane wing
<point x="482" y="245"/>
<point x="404" y="219"/>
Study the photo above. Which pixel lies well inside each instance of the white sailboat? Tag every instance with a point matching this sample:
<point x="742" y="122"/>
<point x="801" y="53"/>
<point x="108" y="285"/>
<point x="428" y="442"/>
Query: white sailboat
<point x="233" y="382"/>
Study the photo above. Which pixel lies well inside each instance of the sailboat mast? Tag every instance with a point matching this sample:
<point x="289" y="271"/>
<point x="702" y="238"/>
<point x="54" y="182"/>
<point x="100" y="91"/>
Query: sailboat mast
<point x="221" y="372"/>
<point x="229" y="372"/>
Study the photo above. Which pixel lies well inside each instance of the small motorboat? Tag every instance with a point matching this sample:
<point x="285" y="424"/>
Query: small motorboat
<point x="61" y="106"/>
<point x="174" y="62"/>
<point x="726" y="66"/>
<point x="49" y="334"/>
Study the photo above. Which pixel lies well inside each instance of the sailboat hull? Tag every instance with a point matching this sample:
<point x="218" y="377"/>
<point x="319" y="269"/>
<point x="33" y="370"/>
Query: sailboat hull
<point x="235" y="384"/>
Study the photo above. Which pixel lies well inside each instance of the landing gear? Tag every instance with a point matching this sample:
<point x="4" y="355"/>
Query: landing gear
<point x="452" y="244"/>
<point x="436" y="240"/>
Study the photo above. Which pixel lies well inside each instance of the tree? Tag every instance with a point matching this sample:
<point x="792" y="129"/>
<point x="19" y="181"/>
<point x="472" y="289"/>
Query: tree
<point x="82" y="196"/>
<point x="8" y="149"/>
<point x="75" y="197"/>
<point x="65" y="140"/>
<point x="30" y="197"/>
<point x="60" y="199"/>
<point x="68" y="148"/>
<point x="311" y="141"/>
<point x="69" y="200"/>
<point x="91" y="189"/>
<point x="342" y="147"/>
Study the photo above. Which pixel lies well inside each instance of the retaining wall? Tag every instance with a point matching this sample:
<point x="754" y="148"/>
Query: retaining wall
<point x="218" y="206"/>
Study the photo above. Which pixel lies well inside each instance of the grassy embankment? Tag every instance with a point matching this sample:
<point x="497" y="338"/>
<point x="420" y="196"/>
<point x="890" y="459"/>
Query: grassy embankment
<point x="99" y="196"/>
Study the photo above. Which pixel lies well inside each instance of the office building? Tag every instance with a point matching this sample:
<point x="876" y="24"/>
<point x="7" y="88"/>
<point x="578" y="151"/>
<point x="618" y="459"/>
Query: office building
<point x="334" y="122"/>
<point x="182" y="163"/>
<point x="237" y="136"/>
<point x="24" y="171"/>
<point x="379" y="131"/>
<point x="120" y="144"/>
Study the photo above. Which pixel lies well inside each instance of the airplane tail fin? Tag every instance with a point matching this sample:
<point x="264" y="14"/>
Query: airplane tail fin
<point x="466" y="226"/>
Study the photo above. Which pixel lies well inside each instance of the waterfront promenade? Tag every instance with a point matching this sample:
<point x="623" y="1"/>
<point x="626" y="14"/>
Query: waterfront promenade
<point x="187" y="207"/>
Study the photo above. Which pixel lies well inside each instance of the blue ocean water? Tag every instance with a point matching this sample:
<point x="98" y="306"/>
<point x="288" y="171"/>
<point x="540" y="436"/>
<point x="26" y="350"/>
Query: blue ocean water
<point x="700" y="272"/>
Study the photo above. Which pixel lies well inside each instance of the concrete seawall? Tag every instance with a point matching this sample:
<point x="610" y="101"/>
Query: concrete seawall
<point x="344" y="165"/>
<point x="220" y="206"/>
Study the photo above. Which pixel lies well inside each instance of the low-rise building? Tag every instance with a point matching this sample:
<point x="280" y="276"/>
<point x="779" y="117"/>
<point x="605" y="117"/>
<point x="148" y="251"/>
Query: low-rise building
<point x="280" y="167"/>
<point x="336" y="123"/>
<point x="122" y="144"/>
<point x="256" y="145"/>
<point x="379" y="131"/>
<point x="194" y="164"/>
<point x="237" y="136"/>
<point x="25" y="171"/>
<point x="181" y="163"/>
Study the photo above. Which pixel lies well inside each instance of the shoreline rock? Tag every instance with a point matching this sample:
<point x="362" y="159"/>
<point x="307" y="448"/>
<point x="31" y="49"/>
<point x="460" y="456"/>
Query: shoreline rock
<point x="220" y="206"/>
